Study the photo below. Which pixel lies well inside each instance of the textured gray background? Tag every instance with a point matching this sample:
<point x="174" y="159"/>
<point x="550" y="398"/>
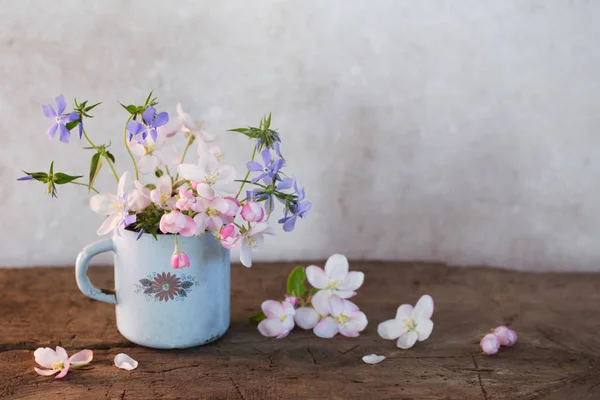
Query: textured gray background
<point x="464" y="131"/>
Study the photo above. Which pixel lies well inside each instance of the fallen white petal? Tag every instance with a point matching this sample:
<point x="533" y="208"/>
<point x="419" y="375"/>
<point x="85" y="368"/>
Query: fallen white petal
<point x="373" y="359"/>
<point x="123" y="361"/>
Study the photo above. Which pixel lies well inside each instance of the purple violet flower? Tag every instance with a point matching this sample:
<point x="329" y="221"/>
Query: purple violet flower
<point x="151" y="122"/>
<point x="295" y="210"/>
<point x="270" y="169"/>
<point x="25" y="178"/>
<point x="127" y="218"/>
<point x="59" y="119"/>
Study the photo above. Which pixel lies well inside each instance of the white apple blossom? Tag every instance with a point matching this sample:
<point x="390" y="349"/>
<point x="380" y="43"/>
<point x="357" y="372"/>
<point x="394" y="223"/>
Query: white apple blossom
<point x="116" y="207"/>
<point x="213" y="179"/>
<point x="334" y="280"/>
<point x="153" y="155"/>
<point x="189" y="124"/>
<point x="411" y="324"/>
<point x="253" y="239"/>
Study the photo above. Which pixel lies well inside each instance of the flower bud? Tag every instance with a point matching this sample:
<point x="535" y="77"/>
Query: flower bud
<point x="490" y="344"/>
<point x="506" y="336"/>
<point x="179" y="260"/>
<point x="293" y="300"/>
<point x="253" y="212"/>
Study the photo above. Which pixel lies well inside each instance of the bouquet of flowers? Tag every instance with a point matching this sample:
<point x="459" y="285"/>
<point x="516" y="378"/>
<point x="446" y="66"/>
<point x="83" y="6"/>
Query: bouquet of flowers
<point x="176" y="197"/>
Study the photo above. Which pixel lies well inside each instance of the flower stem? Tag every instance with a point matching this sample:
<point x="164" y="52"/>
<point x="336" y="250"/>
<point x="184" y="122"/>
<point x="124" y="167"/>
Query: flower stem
<point x="176" y="243"/>
<point x="137" y="174"/>
<point x="185" y="150"/>
<point x="83" y="184"/>
<point x="110" y="164"/>
<point x="247" y="175"/>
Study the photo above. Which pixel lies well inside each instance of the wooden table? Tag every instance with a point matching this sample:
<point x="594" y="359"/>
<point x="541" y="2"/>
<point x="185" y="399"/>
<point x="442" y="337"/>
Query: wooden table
<point x="557" y="317"/>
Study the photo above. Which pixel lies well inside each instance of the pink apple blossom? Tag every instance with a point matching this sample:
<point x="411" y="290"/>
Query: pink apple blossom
<point x="229" y="236"/>
<point x="280" y="319"/>
<point x="506" y="336"/>
<point x="253" y="212"/>
<point x="233" y="205"/>
<point x="58" y="360"/>
<point x="162" y="196"/>
<point x="176" y="222"/>
<point x="209" y="214"/>
<point x="180" y="260"/>
<point x="293" y="300"/>
<point x="345" y="317"/>
<point x="490" y="344"/>
<point x="186" y="199"/>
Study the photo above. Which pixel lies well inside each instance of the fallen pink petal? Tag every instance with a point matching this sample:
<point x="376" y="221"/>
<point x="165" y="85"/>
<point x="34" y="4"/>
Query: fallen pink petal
<point x="373" y="359"/>
<point x="125" y="362"/>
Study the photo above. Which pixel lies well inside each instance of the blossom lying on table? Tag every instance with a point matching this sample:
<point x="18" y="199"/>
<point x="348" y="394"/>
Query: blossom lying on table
<point x="501" y="336"/>
<point x="411" y="324"/>
<point x="58" y="361"/>
<point x="187" y="198"/>
<point x="324" y="309"/>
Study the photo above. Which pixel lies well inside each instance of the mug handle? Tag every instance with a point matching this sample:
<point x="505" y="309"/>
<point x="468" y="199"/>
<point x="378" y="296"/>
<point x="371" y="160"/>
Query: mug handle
<point x="81" y="268"/>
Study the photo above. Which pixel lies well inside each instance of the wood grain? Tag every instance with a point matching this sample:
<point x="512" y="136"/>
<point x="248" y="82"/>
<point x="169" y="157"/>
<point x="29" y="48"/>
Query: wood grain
<point x="556" y="316"/>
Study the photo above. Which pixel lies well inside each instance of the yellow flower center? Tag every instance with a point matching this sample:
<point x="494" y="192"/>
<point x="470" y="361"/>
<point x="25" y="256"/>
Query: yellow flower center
<point x="342" y="318"/>
<point x="149" y="149"/>
<point x="211" y="213"/>
<point x="164" y="197"/>
<point x="333" y="285"/>
<point x="58" y="365"/>
<point x="212" y="179"/>
<point x="409" y="323"/>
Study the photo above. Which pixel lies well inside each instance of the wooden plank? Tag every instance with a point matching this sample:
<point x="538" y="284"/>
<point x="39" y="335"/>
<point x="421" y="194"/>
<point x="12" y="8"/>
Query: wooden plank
<point x="557" y="355"/>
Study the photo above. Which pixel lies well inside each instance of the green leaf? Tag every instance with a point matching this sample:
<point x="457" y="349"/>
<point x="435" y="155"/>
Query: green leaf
<point x="240" y="130"/>
<point x="158" y="173"/>
<point x="256" y="318"/>
<point x="147" y="102"/>
<point x="61" y="179"/>
<point x="295" y="283"/>
<point x="95" y="166"/>
<point x="151" y="186"/>
<point x="110" y="156"/>
<point x="38" y="176"/>
<point x="51" y="168"/>
<point x="90" y="107"/>
<point x="132" y="109"/>
<point x="268" y="122"/>
<point x="313" y="291"/>
<point x="72" y="124"/>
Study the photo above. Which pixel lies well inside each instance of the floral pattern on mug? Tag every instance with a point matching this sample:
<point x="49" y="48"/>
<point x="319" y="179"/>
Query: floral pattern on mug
<point x="166" y="286"/>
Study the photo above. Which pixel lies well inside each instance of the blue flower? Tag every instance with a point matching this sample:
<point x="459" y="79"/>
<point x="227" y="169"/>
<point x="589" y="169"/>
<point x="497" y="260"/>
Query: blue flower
<point x="299" y="208"/>
<point x="59" y="119"/>
<point x="268" y="171"/>
<point x="151" y="122"/>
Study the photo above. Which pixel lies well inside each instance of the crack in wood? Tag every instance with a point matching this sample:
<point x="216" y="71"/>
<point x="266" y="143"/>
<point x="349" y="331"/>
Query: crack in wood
<point x="483" y="391"/>
<point x="236" y="387"/>
<point x="350" y="349"/>
<point x="312" y="356"/>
